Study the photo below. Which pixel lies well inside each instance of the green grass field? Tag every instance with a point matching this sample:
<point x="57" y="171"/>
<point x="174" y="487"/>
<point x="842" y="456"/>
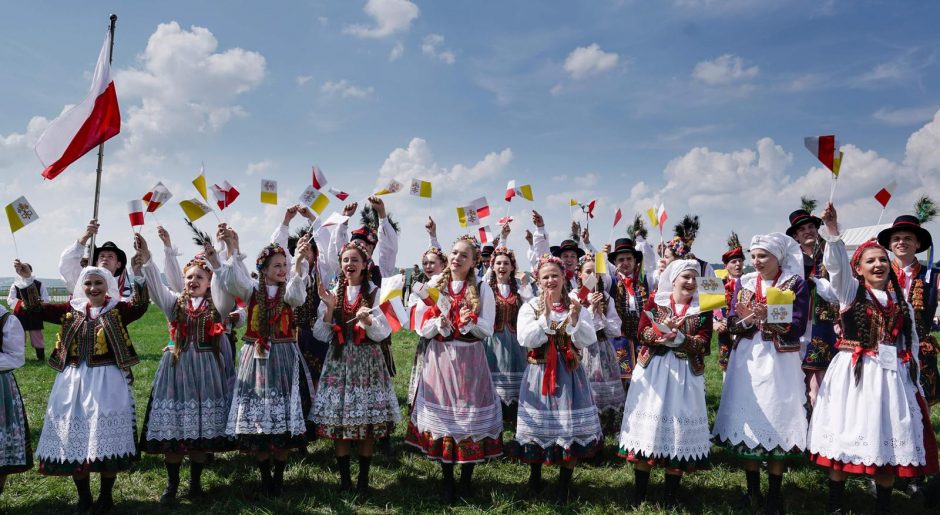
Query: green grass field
<point x="404" y="483"/>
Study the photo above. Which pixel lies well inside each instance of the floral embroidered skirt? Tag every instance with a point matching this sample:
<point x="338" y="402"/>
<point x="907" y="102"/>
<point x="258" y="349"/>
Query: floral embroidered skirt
<point x="16" y="453"/>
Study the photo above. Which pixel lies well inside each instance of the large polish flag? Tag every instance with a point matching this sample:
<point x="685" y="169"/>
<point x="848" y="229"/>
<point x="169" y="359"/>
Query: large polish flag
<point x="85" y="126"/>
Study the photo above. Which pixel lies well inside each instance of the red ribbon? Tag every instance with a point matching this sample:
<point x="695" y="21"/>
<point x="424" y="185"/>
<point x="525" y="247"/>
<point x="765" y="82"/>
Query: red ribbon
<point x="339" y="334"/>
<point x="215" y="329"/>
<point x="905" y="356"/>
<point x="862" y="351"/>
<point x="628" y="284"/>
<point x="551" y="368"/>
<point x="359" y="334"/>
<point x="473" y="318"/>
<point x="264" y="343"/>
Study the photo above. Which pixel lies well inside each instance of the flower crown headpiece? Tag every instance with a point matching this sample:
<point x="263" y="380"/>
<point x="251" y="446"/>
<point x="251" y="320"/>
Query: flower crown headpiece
<point x="547" y="259"/>
<point x="358" y="246"/>
<point x="679" y="247"/>
<point x="471" y="240"/>
<point x="503" y="250"/>
<point x="271" y="250"/>
<point x="437" y="252"/>
<point x="857" y="256"/>
<point x="200" y="262"/>
<point x="586" y="258"/>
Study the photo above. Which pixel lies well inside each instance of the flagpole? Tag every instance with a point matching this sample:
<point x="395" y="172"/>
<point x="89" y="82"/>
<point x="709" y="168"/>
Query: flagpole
<point x="832" y="190"/>
<point x="15" y="246"/>
<point x="101" y="146"/>
<point x="882" y="214"/>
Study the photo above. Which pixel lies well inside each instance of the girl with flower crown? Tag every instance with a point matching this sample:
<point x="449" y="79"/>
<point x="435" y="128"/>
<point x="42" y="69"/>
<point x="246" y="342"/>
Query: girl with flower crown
<point x="90" y="421"/>
<point x="870" y="415"/>
<point x="506" y="358"/>
<point x="189" y="404"/>
<point x="457" y="417"/>
<point x="665" y="422"/>
<point x="355" y="400"/>
<point x="266" y="417"/>
<point x="762" y="415"/>
<point x="599" y="359"/>
<point x="558" y="422"/>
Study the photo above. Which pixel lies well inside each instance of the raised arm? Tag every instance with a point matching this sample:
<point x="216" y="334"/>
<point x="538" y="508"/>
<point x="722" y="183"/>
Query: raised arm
<point x="386" y="248"/>
<point x="836" y="260"/>
<point x="70" y="262"/>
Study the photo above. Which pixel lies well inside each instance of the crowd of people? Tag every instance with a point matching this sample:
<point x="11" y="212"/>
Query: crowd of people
<point x="535" y="358"/>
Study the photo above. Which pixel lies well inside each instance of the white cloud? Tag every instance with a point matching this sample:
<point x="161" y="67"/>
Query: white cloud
<point x="557" y="89"/>
<point x="323" y="20"/>
<point x="389" y="17"/>
<point x="802" y="83"/>
<point x="725" y="69"/>
<point x="303" y="79"/>
<point x="184" y="86"/>
<point x="432" y="47"/>
<point x="905" y="115"/>
<point x="584" y="62"/>
<point x="417" y="162"/>
<point x="259" y="167"/>
<point x="396" y="52"/>
<point x="345" y="89"/>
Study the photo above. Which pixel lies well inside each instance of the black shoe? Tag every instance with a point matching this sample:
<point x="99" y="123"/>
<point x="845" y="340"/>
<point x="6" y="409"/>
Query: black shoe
<point x="345" y="479"/>
<point x="749" y="502"/>
<point x="564" y="486"/>
<point x="169" y="495"/>
<point x="535" y="478"/>
<point x="84" y="495"/>
<point x="40" y="355"/>
<point x="172" y="483"/>
<point x="105" y="500"/>
<point x="362" y="482"/>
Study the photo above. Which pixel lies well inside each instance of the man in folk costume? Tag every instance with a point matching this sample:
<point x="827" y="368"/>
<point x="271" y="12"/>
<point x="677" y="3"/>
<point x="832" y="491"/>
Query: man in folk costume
<point x="819" y="342"/>
<point x="107" y="256"/>
<point x="733" y="260"/>
<point x="629" y="292"/>
<point x="905" y="239"/>
<point x="569" y="252"/>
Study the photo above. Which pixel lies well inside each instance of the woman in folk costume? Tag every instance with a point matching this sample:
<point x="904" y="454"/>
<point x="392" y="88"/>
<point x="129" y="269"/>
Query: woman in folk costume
<point x="870" y="417"/>
<point x="267" y="417"/>
<point x="819" y="342"/>
<point x="355" y="400"/>
<point x="90" y="421"/>
<point x="558" y="422"/>
<point x="188" y="408"/>
<point x="733" y="260"/>
<point x="628" y="293"/>
<point x="433" y="263"/>
<point x="506" y="358"/>
<point x="457" y="417"/>
<point x="30" y="321"/>
<point x="15" y="450"/>
<point x="762" y="416"/>
<point x="905" y="238"/>
<point x="599" y="359"/>
<point x="665" y="421"/>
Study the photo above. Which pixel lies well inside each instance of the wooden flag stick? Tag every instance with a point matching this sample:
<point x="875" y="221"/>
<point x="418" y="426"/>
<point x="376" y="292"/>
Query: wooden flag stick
<point x="15" y="246"/>
<point x="883" y="209"/>
<point x="832" y="190"/>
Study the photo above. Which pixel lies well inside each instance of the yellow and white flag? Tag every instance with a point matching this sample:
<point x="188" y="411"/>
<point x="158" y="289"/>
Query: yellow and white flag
<point x="200" y="184"/>
<point x="315" y="200"/>
<point x="420" y="188"/>
<point x="20" y="214"/>
<point x="268" y="191"/>
<point x="600" y="263"/>
<point x="780" y="305"/>
<point x="194" y="208"/>
<point x="711" y="294"/>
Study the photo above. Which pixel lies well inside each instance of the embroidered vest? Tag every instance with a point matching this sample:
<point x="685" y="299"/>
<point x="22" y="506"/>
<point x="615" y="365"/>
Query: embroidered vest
<point x="98" y="342"/>
<point x="29" y="296"/>
<point x="202" y="327"/>
<point x="865" y="326"/>
<point x="693" y="349"/>
<point x="346" y="332"/>
<point x="454" y="317"/>
<point x="777" y="333"/>
<point x="923" y="298"/>
<point x="507" y="311"/>
<point x="629" y="320"/>
<point x="280" y="318"/>
<point x="306" y="314"/>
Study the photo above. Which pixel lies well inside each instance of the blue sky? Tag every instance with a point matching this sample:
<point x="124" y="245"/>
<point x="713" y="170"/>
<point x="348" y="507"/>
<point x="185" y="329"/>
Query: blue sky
<point x="702" y="104"/>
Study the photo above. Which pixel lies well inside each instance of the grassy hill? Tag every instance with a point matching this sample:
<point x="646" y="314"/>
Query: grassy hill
<point x="406" y="482"/>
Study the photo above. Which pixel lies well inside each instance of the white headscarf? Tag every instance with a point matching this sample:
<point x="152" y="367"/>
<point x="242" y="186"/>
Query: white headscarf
<point x="80" y="300"/>
<point x="785" y="249"/>
<point x="669" y="275"/>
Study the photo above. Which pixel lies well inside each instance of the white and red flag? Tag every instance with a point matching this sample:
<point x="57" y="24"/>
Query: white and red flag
<point x="135" y="211"/>
<point x="319" y="180"/>
<point x="156" y="197"/>
<point x="826" y="149"/>
<point x="224" y="194"/>
<point x="85" y="126"/>
<point x="617" y="216"/>
<point x="661" y="215"/>
<point x="524" y="191"/>
<point x="884" y="194"/>
<point x="342" y="195"/>
<point x="486" y="234"/>
<point x="589" y="208"/>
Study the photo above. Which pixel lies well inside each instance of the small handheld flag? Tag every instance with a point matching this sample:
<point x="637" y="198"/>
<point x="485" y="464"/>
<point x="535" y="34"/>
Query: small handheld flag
<point x="268" y="191"/>
<point x="826" y="149"/>
<point x="335" y="219"/>
<point x="194" y="209"/>
<point x="341" y="195"/>
<point x="135" y="211"/>
<point x="393" y="186"/>
<point x="651" y="214"/>
<point x="319" y="180"/>
<point x="572" y="202"/>
<point x="156" y="197"/>
<point x="420" y="188"/>
<point x="200" y="183"/>
<point x="524" y="191"/>
<point x="600" y="263"/>
<point x="225" y="194"/>
<point x="617" y="216"/>
<point x="662" y="216"/>
<point x="486" y="234"/>
<point x="315" y="200"/>
<point x="711" y="294"/>
<point x="20" y="214"/>
<point x="884" y="194"/>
